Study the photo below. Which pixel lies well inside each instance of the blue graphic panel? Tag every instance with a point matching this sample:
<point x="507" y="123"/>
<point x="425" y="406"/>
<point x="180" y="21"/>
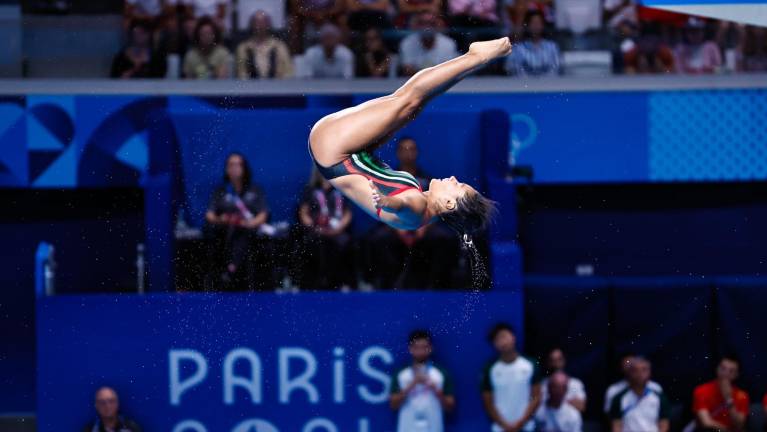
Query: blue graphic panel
<point x="708" y="135"/>
<point x="208" y="359"/>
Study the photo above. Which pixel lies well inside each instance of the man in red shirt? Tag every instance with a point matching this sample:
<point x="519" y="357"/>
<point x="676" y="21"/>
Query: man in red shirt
<point x="718" y="404"/>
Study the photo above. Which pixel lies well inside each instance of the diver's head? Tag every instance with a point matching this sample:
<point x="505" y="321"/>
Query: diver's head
<point x="460" y="206"/>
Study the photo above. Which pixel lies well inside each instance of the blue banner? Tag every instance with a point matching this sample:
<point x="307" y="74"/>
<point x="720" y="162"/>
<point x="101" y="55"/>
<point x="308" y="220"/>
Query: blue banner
<point x="263" y="362"/>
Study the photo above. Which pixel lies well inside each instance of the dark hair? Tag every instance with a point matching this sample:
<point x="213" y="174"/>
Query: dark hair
<point x="246" y="173"/>
<point x="206" y="20"/>
<point x="528" y="18"/>
<point x="472" y="213"/>
<point x="140" y="23"/>
<point x="502" y="326"/>
<point x="419" y="334"/>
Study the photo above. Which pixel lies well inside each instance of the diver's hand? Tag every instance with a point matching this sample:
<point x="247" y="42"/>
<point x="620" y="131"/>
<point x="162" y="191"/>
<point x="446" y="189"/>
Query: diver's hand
<point x="379" y="199"/>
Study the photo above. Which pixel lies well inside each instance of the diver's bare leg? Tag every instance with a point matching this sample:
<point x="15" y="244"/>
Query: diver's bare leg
<point x="372" y="123"/>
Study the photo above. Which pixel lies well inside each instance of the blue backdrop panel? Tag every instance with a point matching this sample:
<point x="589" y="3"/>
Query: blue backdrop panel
<point x="355" y="341"/>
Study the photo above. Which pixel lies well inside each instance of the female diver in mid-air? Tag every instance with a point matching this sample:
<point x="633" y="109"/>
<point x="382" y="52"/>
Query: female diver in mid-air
<point x="341" y="145"/>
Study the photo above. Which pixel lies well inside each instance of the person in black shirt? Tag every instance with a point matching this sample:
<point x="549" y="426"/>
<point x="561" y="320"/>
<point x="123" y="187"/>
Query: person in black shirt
<point x="138" y="59"/>
<point x="109" y="418"/>
<point x="236" y="211"/>
<point x="324" y="218"/>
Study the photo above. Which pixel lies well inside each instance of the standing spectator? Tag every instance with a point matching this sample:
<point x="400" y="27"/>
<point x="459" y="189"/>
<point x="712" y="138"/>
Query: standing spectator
<point x="367" y="14"/>
<point x="696" y="55"/>
<point x="752" y="50"/>
<point x="555" y="414"/>
<point x="308" y="16"/>
<point x="576" y="392"/>
<point x="263" y="55"/>
<point x="236" y="211"/>
<point x="534" y="56"/>
<point x="217" y="10"/>
<point x="638" y="408"/>
<point x="208" y="58"/>
<point x="330" y="59"/>
<point x="719" y="404"/>
<point x="615" y="388"/>
<point x="138" y="59"/>
<point x="325" y="217"/>
<point x="375" y="60"/>
<point x="473" y="13"/>
<point x="426" y="47"/>
<point x="511" y="389"/>
<point x="109" y="419"/>
<point x="421" y="391"/>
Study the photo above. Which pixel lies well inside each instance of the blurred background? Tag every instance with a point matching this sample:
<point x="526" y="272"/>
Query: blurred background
<point x="624" y="143"/>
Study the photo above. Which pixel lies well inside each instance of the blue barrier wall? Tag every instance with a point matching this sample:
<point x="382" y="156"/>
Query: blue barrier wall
<point x="167" y="356"/>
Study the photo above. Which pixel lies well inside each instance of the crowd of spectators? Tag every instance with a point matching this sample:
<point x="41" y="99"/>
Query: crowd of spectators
<point x="519" y="395"/>
<point x="199" y="39"/>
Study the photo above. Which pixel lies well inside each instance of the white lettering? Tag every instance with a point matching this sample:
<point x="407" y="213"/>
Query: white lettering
<point x="178" y="387"/>
<point x="190" y="425"/>
<point x="252" y="383"/>
<point x="368" y="370"/>
<point x="338" y="375"/>
<point x="302" y="381"/>
<point x="325" y="424"/>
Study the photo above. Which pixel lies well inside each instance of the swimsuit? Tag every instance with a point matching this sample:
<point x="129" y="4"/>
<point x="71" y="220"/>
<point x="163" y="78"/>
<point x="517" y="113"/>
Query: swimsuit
<point x="389" y="181"/>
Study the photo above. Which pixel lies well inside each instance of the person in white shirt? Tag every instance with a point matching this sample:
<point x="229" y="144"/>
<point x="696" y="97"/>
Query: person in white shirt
<point x="615" y="388"/>
<point x="511" y="389"/>
<point x="638" y="408"/>
<point x="329" y="59"/>
<point x="555" y="414"/>
<point x="421" y="391"/>
<point x="426" y="47"/>
<point x="576" y="392"/>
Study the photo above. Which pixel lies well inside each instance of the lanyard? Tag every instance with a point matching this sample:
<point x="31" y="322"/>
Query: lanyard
<point x="636" y="402"/>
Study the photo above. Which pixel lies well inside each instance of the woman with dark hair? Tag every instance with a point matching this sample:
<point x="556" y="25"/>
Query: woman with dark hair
<point x="374" y="60"/>
<point x="342" y="143"/>
<point x="535" y="55"/>
<point x="208" y="58"/>
<point x="236" y="211"/>
<point x="138" y="59"/>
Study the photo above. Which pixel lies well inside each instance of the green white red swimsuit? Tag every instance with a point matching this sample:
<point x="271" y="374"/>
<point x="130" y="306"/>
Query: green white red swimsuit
<point x="389" y="181"/>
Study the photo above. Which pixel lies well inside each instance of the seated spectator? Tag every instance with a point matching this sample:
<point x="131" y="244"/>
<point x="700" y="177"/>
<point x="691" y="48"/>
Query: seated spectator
<point x="330" y="59"/>
<point x="555" y="414"/>
<point x="719" y="404"/>
<point x="473" y="13"/>
<point x="263" y="55"/>
<point x="696" y="55"/>
<point x="575" y="392"/>
<point x="648" y="54"/>
<point x="408" y="9"/>
<point x="614" y="389"/>
<point x="420" y="259"/>
<point x="752" y="50"/>
<point x="367" y="14"/>
<point x="236" y="211"/>
<point x="374" y="61"/>
<point x="426" y="47"/>
<point x="534" y="56"/>
<point x="208" y="58"/>
<point x="138" y="59"/>
<point x="308" y="16"/>
<point x="421" y="391"/>
<point x="109" y="418"/>
<point x="217" y="10"/>
<point x="326" y="244"/>
<point x="511" y="388"/>
<point x="638" y="408"/>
